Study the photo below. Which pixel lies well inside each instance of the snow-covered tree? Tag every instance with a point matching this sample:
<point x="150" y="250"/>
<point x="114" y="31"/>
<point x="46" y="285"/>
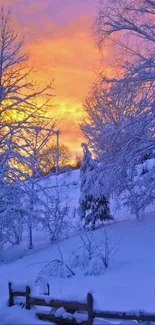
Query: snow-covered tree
<point x="22" y="104"/>
<point x="54" y="218"/>
<point x="11" y="214"/>
<point x="120" y="123"/>
<point x="39" y="136"/>
<point x="93" y="205"/>
<point x="119" y="133"/>
<point x="123" y="20"/>
<point x="18" y="101"/>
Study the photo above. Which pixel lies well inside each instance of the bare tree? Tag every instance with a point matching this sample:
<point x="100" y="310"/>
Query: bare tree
<point x="78" y="161"/>
<point x="49" y="157"/>
<point x="130" y="25"/>
<point x="121" y="17"/>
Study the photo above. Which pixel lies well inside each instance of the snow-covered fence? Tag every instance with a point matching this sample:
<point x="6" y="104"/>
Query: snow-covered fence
<point x="19" y="292"/>
<point x="72" y="312"/>
<point x="46" y="301"/>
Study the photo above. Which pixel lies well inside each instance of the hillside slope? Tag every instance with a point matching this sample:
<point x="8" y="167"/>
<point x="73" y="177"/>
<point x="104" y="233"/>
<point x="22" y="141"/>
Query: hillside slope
<point x="127" y="284"/>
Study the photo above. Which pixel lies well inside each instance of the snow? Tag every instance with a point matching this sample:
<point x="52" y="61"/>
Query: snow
<point x="60" y="312"/>
<point x="16" y="316"/>
<point x="125" y="279"/>
<point x="127" y="285"/>
<point x="20" y="287"/>
<point x="67" y="315"/>
<point x="147" y="165"/>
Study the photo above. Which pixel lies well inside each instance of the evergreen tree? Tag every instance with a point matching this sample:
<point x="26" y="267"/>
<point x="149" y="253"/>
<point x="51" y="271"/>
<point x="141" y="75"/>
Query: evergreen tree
<point x="93" y="205"/>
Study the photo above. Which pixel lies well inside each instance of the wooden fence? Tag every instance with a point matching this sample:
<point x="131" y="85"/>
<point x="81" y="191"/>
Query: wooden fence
<point x="72" y="307"/>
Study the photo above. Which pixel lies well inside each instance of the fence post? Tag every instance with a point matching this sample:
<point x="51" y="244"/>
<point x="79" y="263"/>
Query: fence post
<point x="11" y="302"/>
<point x="90" y="308"/>
<point x="48" y="289"/>
<point x="28" y="291"/>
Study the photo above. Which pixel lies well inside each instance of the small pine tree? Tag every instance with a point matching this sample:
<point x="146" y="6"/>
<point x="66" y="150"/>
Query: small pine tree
<point x="93" y="205"/>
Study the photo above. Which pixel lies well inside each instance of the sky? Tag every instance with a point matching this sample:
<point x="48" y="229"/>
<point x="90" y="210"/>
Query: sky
<point x="61" y="44"/>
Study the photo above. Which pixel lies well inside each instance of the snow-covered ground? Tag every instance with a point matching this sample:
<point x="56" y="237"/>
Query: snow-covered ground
<point x="127" y="285"/>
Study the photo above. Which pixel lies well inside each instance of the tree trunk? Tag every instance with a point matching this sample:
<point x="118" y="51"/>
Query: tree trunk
<point x="17" y="240"/>
<point x="30" y="246"/>
<point x="93" y="221"/>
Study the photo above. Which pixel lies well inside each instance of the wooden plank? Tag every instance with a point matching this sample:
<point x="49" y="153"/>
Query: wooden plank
<point x="10" y="302"/>
<point x="68" y="305"/>
<point x="73" y="306"/>
<point x="90" y="308"/>
<point x="28" y="304"/>
<point x="141" y="316"/>
<point x="60" y="320"/>
<point x="48" y="289"/>
<point x="19" y="294"/>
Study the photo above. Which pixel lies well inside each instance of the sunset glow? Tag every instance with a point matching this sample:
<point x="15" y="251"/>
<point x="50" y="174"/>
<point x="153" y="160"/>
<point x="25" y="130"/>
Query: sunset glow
<point x="61" y="45"/>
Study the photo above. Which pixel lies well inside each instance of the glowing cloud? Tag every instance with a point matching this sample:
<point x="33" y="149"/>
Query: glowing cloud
<point x="61" y="44"/>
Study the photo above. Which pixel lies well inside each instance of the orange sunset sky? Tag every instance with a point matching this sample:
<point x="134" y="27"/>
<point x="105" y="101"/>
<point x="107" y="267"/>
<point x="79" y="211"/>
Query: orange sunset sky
<point x="61" y="44"/>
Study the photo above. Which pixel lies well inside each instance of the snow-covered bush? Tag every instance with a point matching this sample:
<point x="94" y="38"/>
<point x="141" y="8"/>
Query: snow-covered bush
<point x="93" y="256"/>
<point x="140" y="191"/>
<point x="54" y="268"/>
<point x="93" y="205"/>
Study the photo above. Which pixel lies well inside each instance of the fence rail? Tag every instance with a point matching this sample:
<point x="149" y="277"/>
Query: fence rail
<point x="72" y="307"/>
